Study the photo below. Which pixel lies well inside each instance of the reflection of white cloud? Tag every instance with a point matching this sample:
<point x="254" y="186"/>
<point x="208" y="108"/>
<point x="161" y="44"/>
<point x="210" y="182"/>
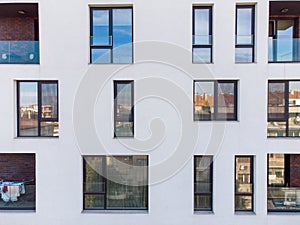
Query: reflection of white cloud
<point x="121" y="17"/>
<point x="127" y="32"/>
<point x="201" y="22"/>
<point x="244" y="21"/>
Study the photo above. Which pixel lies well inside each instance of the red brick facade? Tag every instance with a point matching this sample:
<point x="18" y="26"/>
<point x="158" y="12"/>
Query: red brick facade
<point x="295" y="170"/>
<point x="17" y="29"/>
<point x="17" y="167"/>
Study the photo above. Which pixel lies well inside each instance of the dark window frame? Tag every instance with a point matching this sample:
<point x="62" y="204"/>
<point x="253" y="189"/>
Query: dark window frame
<point x="216" y="91"/>
<point x="252" y="46"/>
<point x="116" y="82"/>
<point x="251" y="181"/>
<point x="104" y="178"/>
<point x="209" y="46"/>
<point x="210" y="194"/>
<point x="39" y="102"/>
<point x="110" y="24"/>
<point x="286" y="107"/>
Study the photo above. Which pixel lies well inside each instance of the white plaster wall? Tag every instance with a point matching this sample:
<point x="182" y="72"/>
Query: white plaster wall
<point x="64" y="56"/>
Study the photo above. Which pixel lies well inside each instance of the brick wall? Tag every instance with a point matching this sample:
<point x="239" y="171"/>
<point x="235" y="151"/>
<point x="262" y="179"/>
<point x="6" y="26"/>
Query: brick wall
<point x="295" y="170"/>
<point x="17" y="167"/>
<point x="17" y="29"/>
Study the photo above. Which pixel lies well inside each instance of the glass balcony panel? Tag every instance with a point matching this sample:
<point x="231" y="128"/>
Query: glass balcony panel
<point x="49" y="129"/>
<point x="276" y="129"/>
<point x="202" y="39"/>
<point x="244" y="40"/>
<point x="19" y="52"/>
<point x="201" y="55"/>
<point x="283" y="199"/>
<point x="94" y="201"/>
<point x="284" y="50"/>
<point x="101" y="40"/>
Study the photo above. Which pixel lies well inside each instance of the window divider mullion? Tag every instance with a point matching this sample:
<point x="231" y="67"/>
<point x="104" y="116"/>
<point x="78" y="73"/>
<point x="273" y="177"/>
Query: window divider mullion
<point x="39" y="107"/>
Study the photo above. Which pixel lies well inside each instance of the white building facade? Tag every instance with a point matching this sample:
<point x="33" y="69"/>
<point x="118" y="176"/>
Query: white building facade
<point x="150" y="112"/>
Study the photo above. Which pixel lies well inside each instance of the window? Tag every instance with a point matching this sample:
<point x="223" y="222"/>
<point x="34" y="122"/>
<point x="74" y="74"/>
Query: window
<point x="202" y="34"/>
<point x="115" y="182"/>
<point x="123" y="98"/>
<point x="203" y="186"/>
<point x="17" y="181"/>
<point x="215" y="100"/>
<point x="283" y="182"/>
<point x="111" y="35"/>
<point x="244" y="41"/>
<point x="284" y="109"/>
<point x="244" y="187"/>
<point x="37" y="104"/>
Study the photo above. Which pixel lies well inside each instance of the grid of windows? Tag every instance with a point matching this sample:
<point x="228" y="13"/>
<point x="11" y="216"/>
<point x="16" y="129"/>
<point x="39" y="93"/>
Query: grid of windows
<point x="37" y="106"/>
<point x="284" y="108"/>
<point x="202" y="34"/>
<point x="244" y="187"/>
<point x="115" y="182"/>
<point x="244" y="41"/>
<point x="203" y="183"/>
<point x="215" y="100"/>
<point x="111" y="35"/>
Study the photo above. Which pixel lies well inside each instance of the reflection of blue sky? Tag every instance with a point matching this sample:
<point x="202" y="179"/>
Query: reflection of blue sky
<point x="124" y="93"/>
<point x="28" y="93"/>
<point x="294" y="86"/>
<point x="244" y="21"/>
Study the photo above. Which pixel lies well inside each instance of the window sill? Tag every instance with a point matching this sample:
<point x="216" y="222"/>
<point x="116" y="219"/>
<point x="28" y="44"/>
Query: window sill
<point x="204" y="213"/>
<point x="284" y="213"/>
<point x="17" y="211"/>
<point x="245" y="213"/>
<point x="115" y="211"/>
<point x="39" y="137"/>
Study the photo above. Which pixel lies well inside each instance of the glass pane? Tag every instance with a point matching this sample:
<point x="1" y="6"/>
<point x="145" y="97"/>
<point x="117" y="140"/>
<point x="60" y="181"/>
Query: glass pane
<point x="243" y="203"/>
<point x="203" y="202"/>
<point x="49" y="129"/>
<point x="244" y="55"/>
<point x="127" y="182"/>
<point x="284" y="45"/>
<point x="94" y="181"/>
<point x="93" y="201"/>
<point x="276" y="101"/>
<point x="276" y="129"/>
<point x="226" y="101"/>
<point x="201" y="20"/>
<point x="276" y="169"/>
<point x="122" y="35"/>
<point x="101" y="56"/>
<point x="203" y="182"/>
<point x="203" y="100"/>
<point x="123" y="107"/>
<point x="49" y="100"/>
<point x="243" y="168"/>
<point x="100" y="29"/>
<point x="28" y="109"/>
<point x="294" y="108"/>
<point x="244" y="26"/>
<point x="201" y="55"/>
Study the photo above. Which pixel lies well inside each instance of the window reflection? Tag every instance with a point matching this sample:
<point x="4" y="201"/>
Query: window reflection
<point x="203" y="183"/>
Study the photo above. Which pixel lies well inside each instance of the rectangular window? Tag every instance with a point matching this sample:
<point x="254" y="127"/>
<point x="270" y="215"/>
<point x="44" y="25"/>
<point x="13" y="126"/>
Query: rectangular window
<point x="115" y="182"/>
<point x="244" y="187"/>
<point x="123" y="104"/>
<point x="244" y="34"/>
<point x="17" y="181"/>
<point x="111" y="35"/>
<point x="37" y="106"/>
<point x="203" y="183"/>
<point x="202" y="34"/>
<point x="215" y="100"/>
<point x="283" y="182"/>
<point x="284" y="109"/>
